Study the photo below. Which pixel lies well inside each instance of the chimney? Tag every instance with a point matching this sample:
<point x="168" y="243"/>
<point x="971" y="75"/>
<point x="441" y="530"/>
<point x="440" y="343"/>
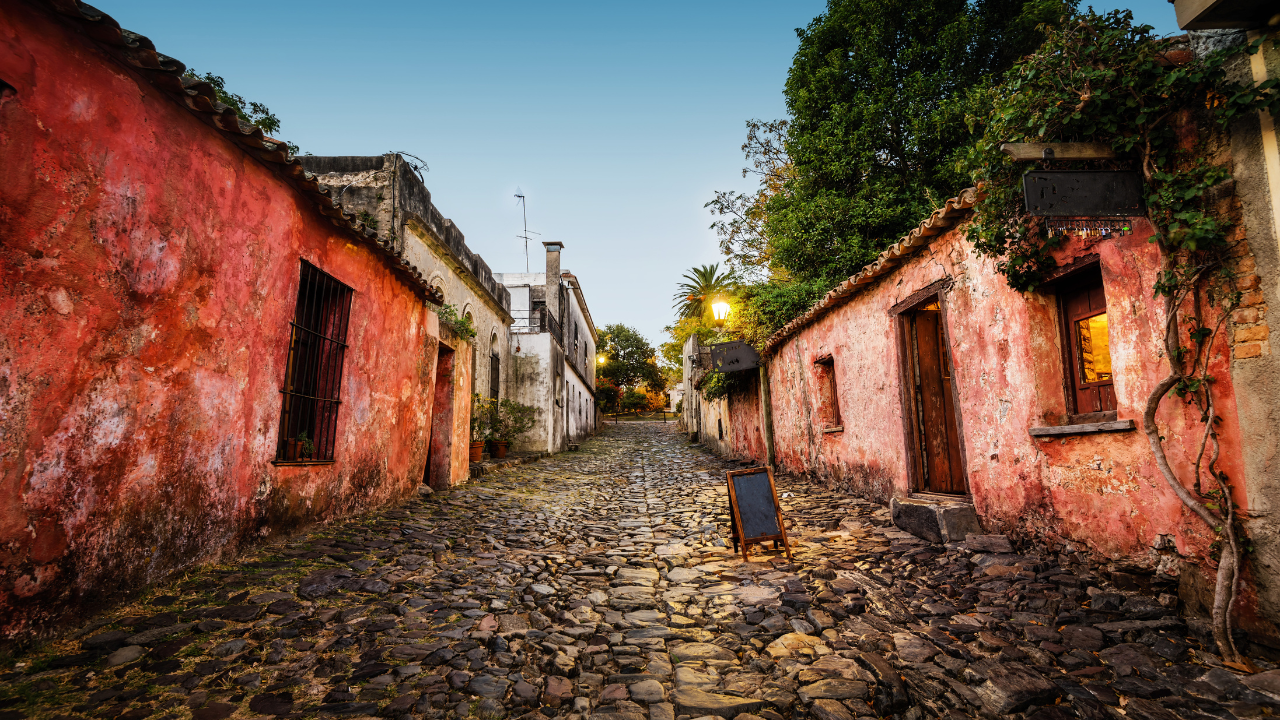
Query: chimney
<point x="553" y="278"/>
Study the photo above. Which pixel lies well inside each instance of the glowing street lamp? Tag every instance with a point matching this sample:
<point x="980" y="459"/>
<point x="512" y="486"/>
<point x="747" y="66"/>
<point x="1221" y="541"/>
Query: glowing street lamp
<point x="721" y="312"/>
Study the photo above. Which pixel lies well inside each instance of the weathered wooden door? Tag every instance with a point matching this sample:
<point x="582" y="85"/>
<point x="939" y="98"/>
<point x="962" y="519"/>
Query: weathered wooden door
<point x="1086" y="316"/>
<point x="939" y="440"/>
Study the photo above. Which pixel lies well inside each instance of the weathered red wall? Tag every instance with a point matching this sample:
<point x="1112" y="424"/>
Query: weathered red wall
<point x="745" y="435"/>
<point x="1102" y="490"/>
<point x="149" y="271"/>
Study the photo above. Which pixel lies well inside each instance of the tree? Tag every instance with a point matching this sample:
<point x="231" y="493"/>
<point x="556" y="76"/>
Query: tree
<point x="742" y="229"/>
<point x="607" y="395"/>
<point x="880" y="93"/>
<point x="701" y="287"/>
<point x="629" y="359"/>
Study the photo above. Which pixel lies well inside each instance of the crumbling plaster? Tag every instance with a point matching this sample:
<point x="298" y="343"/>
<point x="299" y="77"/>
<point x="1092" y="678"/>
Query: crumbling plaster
<point x="150" y="270"/>
<point x="1101" y="490"/>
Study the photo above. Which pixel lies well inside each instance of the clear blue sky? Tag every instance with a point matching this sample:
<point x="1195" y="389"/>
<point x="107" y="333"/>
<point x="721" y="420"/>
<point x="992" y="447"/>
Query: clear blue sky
<point x="618" y="120"/>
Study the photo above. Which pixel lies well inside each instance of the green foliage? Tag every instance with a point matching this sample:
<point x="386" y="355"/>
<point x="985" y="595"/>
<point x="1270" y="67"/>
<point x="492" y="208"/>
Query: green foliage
<point x="702" y="286"/>
<point x="673" y="350"/>
<point x="743" y="215"/>
<point x="715" y="385"/>
<point x="629" y="358"/>
<point x="1100" y="78"/>
<point x="306" y="448"/>
<point x="511" y="420"/>
<point x="634" y="401"/>
<point x="764" y="308"/>
<point x="878" y="93"/>
<point x="254" y="113"/>
<point x="680" y="406"/>
<point x="482" y="417"/>
<point x="878" y="96"/>
<point x="461" y="326"/>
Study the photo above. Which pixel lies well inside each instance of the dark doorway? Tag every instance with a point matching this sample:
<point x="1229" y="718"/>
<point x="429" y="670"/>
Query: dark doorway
<point x="440" y="448"/>
<point x="935" y="432"/>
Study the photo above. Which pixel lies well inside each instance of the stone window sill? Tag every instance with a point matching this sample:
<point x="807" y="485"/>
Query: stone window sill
<point x="292" y="463"/>
<point x="833" y="429"/>
<point x="1084" y="429"/>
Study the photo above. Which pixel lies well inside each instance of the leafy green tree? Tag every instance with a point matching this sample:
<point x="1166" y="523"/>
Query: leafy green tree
<point x="763" y="309"/>
<point x="629" y="359"/>
<point x="878" y="93"/>
<point x="701" y="287"/>
<point x="742" y="215"/>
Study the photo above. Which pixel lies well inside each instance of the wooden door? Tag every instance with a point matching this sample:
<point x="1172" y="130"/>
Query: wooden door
<point x="1085" y="312"/>
<point x="939" y="441"/>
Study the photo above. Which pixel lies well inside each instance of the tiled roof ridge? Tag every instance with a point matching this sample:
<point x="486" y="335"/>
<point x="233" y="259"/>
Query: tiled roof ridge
<point x="138" y="52"/>
<point x="938" y="222"/>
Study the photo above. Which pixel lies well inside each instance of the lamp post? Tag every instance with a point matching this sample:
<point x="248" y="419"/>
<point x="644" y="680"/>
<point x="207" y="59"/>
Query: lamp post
<point x="720" y="310"/>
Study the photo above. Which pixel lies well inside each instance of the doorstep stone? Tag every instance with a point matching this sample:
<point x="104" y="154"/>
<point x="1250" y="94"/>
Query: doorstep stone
<point x="938" y="521"/>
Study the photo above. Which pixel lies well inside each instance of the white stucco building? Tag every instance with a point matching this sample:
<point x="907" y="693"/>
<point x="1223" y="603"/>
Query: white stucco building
<point x="553" y="351"/>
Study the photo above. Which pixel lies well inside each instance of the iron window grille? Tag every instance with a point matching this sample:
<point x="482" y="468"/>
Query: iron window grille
<point x="313" y="374"/>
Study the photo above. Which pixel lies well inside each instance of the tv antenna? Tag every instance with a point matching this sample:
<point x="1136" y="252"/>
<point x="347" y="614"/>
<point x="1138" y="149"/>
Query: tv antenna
<point x="524" y="211"/>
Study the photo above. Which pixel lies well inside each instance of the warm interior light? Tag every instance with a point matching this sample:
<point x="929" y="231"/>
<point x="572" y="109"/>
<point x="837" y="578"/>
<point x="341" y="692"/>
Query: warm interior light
<point x="720" y="310"/>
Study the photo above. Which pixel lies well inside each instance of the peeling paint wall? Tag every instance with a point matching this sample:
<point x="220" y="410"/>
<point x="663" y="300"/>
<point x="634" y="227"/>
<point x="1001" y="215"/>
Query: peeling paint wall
<point x="150" y="270"/>
<point x="1101" y="490"/>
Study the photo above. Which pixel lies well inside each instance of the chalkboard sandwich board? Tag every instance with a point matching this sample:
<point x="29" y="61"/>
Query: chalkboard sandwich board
<point x="754" y="510"/>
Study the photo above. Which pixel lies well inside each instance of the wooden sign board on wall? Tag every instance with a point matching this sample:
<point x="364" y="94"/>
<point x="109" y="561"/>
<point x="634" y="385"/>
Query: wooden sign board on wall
<point x="754" y="509"/>
<point x="734" y="356"/>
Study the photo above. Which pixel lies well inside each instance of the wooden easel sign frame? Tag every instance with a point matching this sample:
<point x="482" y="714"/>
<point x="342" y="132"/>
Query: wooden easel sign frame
<point x="762" y="520"/>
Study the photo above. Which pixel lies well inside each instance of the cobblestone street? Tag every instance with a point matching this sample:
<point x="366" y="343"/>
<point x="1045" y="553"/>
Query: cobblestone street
<point x="597" y="584"/>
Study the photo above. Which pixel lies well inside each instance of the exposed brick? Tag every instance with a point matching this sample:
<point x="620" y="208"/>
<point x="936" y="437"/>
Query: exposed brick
<point x="1252" y="334"/>
<point x="1251" y="297"/>
<point x="1246" y="264"/>
<point x="1249" y="282"/>
<point x="1249" y="350"/>
<point x="1247" y="316"/>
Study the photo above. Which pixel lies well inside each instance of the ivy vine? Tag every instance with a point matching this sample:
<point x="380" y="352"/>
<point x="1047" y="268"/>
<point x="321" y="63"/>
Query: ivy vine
<point x="1099" y="78"/>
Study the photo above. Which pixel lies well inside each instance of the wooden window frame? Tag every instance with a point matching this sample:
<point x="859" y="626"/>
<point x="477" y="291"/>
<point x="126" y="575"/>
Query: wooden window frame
<point x="1061" y="282"/>
<point x="934" y="292"/>
<point x="312" y="388"/>
<point x="828" y="394"/>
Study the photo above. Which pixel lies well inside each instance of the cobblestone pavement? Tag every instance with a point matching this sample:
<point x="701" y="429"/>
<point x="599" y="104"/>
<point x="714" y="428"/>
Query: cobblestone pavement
<point x="596" y="586"/>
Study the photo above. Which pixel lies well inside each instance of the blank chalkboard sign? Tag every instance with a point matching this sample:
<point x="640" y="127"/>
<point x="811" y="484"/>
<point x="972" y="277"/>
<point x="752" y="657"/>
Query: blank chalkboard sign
<point x="753" y="507"/>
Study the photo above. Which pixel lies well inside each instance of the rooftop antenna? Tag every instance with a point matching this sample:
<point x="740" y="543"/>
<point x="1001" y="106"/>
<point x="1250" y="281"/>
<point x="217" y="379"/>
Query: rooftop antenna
<point x="524" y="211"/>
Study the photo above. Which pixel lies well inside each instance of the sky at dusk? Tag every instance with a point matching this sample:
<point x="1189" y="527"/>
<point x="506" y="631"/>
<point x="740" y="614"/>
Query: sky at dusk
<point x="617" y="120"/>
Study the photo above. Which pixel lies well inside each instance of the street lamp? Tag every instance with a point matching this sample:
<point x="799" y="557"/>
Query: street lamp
<point x="721" y="311"/>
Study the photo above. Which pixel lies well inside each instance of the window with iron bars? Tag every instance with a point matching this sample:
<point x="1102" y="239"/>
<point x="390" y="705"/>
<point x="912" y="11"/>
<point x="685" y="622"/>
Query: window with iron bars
<point x="313" y="374"/>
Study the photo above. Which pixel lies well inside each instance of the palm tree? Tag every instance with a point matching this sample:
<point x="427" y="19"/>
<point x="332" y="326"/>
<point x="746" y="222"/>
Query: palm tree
<point x="703" y="285"/>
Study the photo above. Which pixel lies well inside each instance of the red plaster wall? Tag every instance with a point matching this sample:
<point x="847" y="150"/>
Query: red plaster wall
<point x="745" y="435"/>
<point x="149" y="271"/>
<point x="1102" y="490"/>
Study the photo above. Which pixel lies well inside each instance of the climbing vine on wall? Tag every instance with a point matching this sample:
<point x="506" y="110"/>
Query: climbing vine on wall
<point x="1101" y="79"/>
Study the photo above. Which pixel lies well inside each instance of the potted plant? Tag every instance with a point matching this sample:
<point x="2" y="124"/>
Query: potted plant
<point x="306" y="448"/>
<point x="481" y="425"/>
<point x="511" y="420"/>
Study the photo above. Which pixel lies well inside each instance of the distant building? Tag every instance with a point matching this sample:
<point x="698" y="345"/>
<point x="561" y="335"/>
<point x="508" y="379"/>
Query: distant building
<point x="553" y="350"/>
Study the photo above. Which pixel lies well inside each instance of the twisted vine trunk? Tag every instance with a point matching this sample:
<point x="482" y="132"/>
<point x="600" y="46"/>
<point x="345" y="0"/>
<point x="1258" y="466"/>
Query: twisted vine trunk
<point x="1229" y="562"/>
